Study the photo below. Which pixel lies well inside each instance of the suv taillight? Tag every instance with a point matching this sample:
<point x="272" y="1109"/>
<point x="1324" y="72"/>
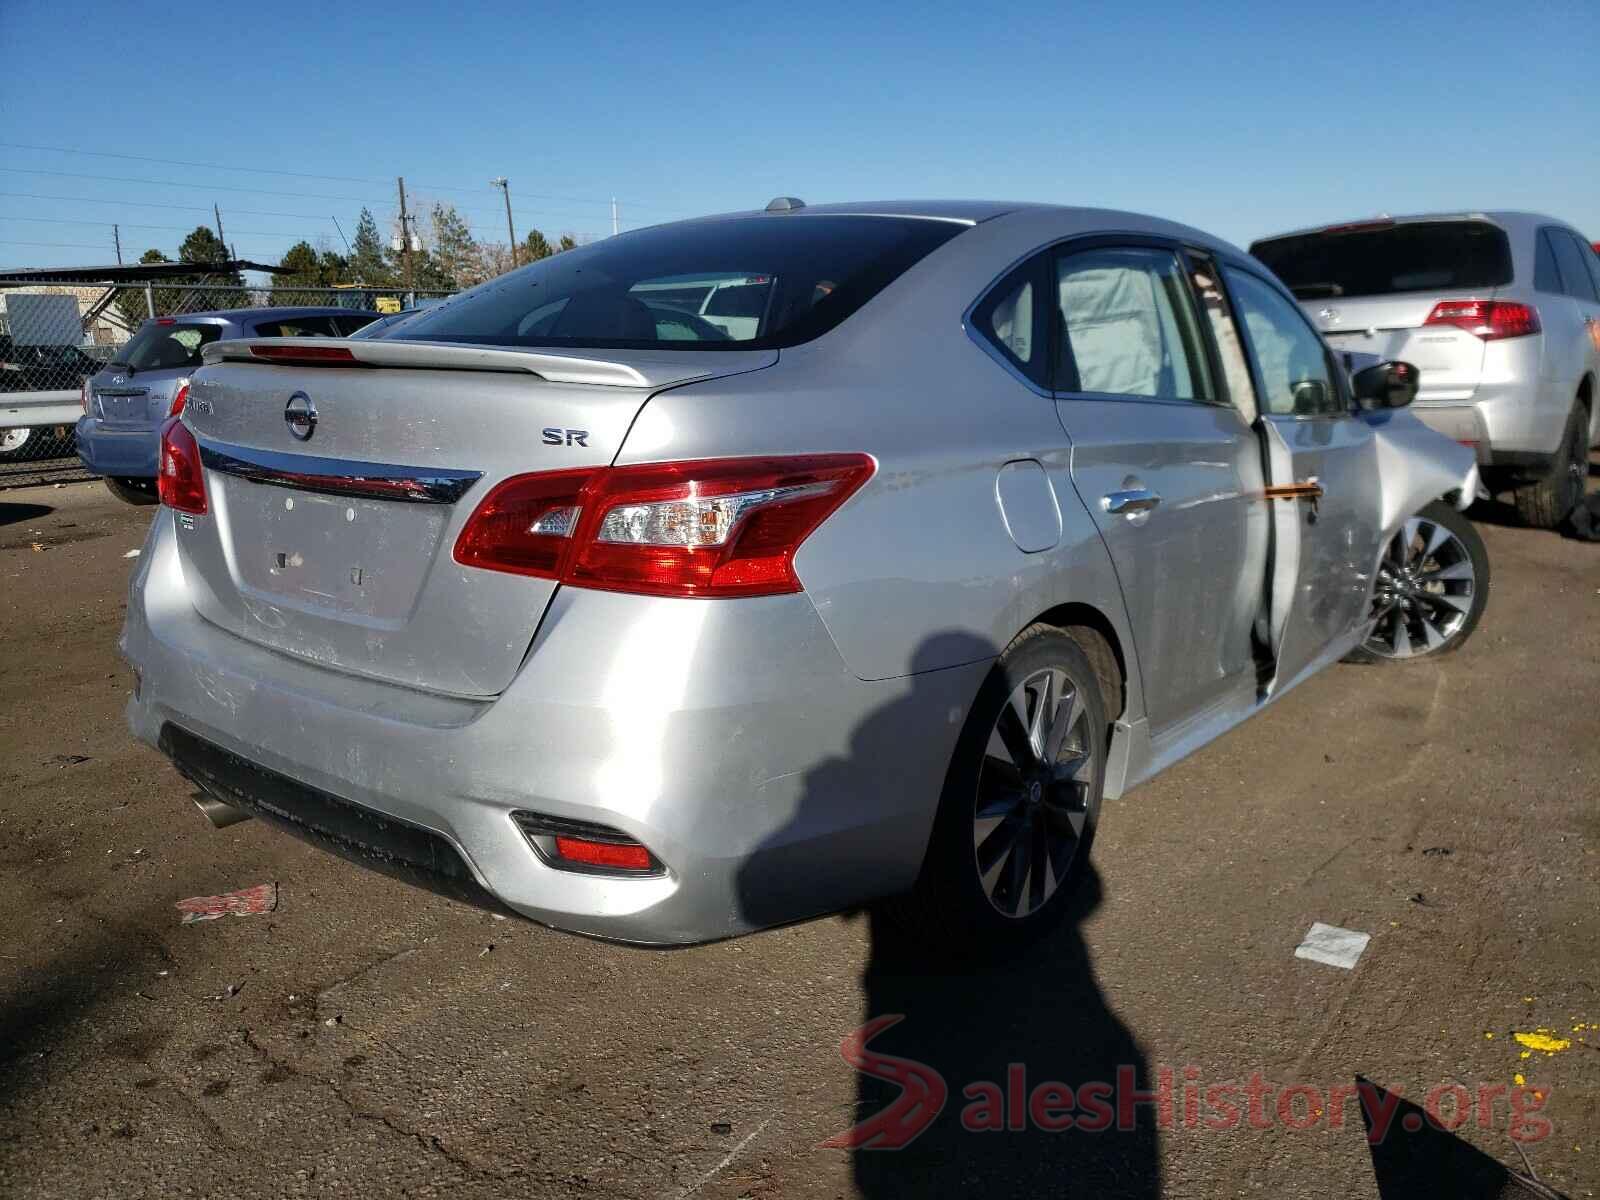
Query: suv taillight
<point x="179" y="399"/>
<point x="1490" y="320"/>
<point x="180" y="480"/>
<point x="713" y="527"/>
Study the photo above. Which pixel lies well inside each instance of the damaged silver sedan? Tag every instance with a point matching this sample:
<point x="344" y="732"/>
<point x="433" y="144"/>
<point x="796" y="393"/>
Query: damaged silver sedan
<point x="733" y="571"/>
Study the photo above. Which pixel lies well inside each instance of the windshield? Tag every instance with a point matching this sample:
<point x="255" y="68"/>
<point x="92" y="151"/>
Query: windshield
<point x="1368" y="260"/>
<point x="744" y="283"/>
<point x="167" y="345"/>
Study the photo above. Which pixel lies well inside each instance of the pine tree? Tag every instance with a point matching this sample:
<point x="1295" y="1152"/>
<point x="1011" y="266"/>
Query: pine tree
<point x="204" y="246"/>
<point x="367" y="263"/>
<point x="568" y="242"/>
<point x="535" y="247"/>
<point x="131" y="302"/>
<point x="454" y="250"/>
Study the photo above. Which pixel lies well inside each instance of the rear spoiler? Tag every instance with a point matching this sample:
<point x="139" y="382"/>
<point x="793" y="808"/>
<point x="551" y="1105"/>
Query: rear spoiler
<point x="640" y="371"/>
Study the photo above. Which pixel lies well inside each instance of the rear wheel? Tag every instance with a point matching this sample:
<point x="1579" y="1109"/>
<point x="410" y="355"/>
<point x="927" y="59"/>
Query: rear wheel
<point x="1433" y="584"/>
<point x="1548" y="500"/>
<point x="1020" y="805"/>
<point x="131" y="490"/>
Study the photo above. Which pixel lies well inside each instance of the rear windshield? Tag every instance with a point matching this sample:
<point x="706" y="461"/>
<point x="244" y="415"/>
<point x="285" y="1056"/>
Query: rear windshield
<point x="746" y="283"/>
<point x="161" y="346"/>
<point x="1378" y="261"/>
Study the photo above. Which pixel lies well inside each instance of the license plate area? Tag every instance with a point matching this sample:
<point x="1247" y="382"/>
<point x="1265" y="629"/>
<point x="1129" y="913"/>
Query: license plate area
<point x="342" y="557"/>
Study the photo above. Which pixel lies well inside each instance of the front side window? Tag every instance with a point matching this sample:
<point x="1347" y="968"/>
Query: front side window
<point x="1128" y="326"/>
<point x="742" y="283"/>
<point x="1546" y="275"/>
<point x="1295" y="376"/>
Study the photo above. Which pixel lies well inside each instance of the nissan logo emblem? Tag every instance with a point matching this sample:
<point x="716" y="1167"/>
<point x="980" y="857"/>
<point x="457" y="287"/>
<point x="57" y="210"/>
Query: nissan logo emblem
<point x="300" y="415"/>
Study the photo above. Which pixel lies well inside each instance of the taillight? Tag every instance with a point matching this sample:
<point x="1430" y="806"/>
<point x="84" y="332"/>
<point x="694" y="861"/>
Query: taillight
<point x="306" y="355"/>
<point x="714" y="527"/>
<point x="180" y="480"/>
<point x="179" y="399"/>
<point x="525" y="525"/>
<point x="1490" y="320"/>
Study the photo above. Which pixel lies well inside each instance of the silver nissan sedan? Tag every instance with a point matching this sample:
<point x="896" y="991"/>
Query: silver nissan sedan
<point x="733" y="571"/>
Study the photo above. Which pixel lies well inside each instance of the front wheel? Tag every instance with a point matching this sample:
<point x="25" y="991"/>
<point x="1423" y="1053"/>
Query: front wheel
<point x="1020" y="804"/>
<point x="1432" y="586"/>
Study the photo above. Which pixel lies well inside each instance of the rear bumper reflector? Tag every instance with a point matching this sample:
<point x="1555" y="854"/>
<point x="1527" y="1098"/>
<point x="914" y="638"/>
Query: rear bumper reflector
<point x="585" y="846"/>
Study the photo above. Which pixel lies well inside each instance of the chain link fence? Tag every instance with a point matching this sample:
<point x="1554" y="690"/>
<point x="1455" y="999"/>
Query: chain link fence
<point x="55" y="336"/>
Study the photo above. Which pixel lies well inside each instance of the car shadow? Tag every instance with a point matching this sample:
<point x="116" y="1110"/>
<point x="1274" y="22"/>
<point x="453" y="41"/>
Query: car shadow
<point x="10" y="514"/>
<point x="1415" y="1158"/>
<point x="962" y="1068"/>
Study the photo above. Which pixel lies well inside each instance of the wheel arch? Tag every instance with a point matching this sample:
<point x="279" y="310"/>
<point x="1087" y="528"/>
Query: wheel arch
<point x="1081" y="615"/>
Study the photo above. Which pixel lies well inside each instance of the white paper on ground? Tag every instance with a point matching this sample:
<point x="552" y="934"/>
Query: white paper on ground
<point x="1332" y="945"/>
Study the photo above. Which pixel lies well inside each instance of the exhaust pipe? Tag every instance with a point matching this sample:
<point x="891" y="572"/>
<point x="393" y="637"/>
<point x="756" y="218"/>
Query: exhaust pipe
<point x="219" y="814"/>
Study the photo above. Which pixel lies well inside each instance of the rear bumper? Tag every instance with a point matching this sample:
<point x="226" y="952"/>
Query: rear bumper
<point x="128" y="451"/>
<point x="727" y="736"/>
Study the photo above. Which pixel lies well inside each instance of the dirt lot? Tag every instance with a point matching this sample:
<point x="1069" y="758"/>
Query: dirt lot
<point x="368" y="1039"/>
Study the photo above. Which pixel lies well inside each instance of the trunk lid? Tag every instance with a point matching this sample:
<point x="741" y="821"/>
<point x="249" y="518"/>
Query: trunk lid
<point x="337" y="547"/>
<point x="1450" y="359"/>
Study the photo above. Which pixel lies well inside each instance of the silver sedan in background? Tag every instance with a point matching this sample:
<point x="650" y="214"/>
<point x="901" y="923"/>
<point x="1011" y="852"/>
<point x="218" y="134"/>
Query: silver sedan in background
<point x="566" y="598"/>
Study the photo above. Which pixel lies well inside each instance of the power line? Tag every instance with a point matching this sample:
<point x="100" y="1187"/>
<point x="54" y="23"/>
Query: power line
<point x="587" y="202"/>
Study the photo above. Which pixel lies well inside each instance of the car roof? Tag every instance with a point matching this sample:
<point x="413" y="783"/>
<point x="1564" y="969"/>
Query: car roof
<point x="968" y="212"/>
<point x="1507" y="218"/>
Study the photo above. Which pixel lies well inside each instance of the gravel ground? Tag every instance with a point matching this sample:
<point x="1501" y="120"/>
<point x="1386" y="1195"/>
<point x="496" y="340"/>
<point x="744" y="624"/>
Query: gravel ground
<point x="366" y="1039"/>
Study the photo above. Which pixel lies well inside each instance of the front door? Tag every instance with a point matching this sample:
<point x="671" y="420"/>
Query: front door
<point x="1321" y="487"/>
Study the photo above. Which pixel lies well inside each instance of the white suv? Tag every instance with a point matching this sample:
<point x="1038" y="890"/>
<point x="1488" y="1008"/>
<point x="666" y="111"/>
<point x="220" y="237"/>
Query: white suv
<point x="1500" y="311"/>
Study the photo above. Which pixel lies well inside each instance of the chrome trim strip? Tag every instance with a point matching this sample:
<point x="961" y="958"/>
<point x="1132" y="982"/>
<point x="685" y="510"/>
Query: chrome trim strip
<point x="340" y="477"/>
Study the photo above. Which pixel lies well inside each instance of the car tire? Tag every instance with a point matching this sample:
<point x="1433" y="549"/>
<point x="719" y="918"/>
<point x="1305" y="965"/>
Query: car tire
<point x="1548" y="500"/>
<point x="19" y="444"/>
<point x="133" y="491"/>
<point x="1432" y="587"/>
<point x="981" y="893"/>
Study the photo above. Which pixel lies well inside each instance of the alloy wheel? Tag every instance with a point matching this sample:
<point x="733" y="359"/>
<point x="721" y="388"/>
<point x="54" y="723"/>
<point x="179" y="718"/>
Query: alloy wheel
<point x="1426" y="583"/>
<point x="1032" y="801"/>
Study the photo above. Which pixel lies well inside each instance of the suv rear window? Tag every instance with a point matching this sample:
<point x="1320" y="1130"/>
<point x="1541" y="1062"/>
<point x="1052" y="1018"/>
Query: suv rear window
<point x="764" y="282"/>
<point x="167" y="345"/>
<point x="1368" y="260"/>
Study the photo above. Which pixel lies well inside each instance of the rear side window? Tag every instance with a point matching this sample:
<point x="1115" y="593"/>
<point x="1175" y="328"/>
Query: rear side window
<point x="1128" y="327"/>
<point x="1546" y="275"/>
<point x="1379" y="260"/>
<point x="167" y="345"/>
<point x="749" y="282"/>
<point x="1575" y="279"/>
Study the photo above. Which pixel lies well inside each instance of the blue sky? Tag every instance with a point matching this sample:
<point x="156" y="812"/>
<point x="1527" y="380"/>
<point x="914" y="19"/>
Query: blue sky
<point x="1242" y="118"/>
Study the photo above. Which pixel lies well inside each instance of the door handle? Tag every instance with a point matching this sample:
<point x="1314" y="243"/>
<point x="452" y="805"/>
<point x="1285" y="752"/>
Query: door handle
<point x="1138" y="500"/>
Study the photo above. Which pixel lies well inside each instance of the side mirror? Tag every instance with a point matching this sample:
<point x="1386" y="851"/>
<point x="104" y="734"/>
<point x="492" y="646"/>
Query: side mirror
<point x="1386" y="385"/>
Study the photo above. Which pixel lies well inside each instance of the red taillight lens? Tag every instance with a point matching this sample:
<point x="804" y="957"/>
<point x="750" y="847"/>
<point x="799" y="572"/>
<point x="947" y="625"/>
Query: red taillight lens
<point x="180" y="480"/>
<point x="715" y="527"/>
<point x="304" y="354"/>
<point x="622" y="856"/>
<point x="525" y="526"/>
<point x="1490" y="320"/>
<point x="179" y="399"/>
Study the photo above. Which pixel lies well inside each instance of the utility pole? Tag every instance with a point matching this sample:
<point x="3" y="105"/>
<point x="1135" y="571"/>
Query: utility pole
<point x="116" y="236"/>
<point x="504" y="184"/>
<point x="615" y="228"/>
<point x="405" y="232"/>
<point x="221" y="241"/>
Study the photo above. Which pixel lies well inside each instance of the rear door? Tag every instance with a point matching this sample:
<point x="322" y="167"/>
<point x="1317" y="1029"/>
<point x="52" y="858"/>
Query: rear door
<point x="1169" y="471"/>
<point x="1321" y="493"/>
<point x="1572" y="322"/>
<point x="336" y="494"/>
